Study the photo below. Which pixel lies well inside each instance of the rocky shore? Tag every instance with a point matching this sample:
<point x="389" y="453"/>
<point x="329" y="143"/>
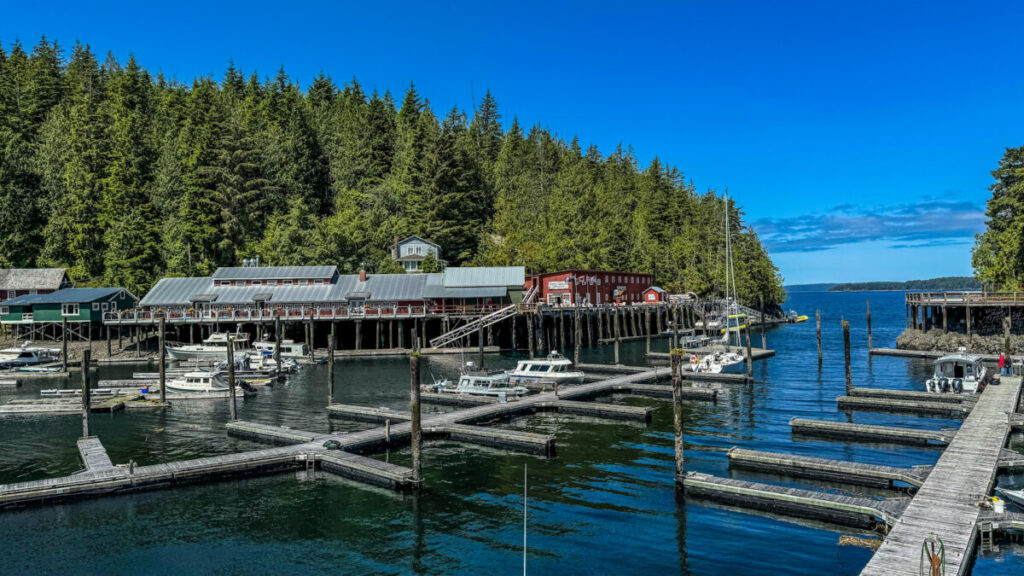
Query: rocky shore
<point x="937" y="340"/>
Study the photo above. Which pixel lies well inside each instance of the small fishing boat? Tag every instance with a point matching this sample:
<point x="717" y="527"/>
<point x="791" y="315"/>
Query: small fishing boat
<point x="495" y="384"/>
<point x="715" y="362"/>
<point x="957" y="373"/>
<point x="793" y="318"/>
<point x="213" y="348"/>
<point x="27" y="355"/>
<point x="198" y="382"/>
<point x="554" y="368"/>
<point x="289" y="348"/>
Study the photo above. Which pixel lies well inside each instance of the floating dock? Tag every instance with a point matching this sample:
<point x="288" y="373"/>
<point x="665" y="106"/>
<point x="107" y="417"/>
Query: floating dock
<point x="853" y="511"/>
<point x="869" y="432"/>
<point x="824" y="469"/>
<point x="947" y="502"/>
<point x="921" y="407"/>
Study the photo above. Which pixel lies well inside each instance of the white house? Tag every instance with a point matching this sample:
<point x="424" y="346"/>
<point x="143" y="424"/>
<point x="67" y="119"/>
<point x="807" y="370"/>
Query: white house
<point x="413" y="250"/>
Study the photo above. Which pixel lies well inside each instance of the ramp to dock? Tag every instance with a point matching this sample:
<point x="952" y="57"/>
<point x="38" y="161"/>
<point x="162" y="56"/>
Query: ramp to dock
<point x="947" y="503"/>
<point x="94" y="455"/>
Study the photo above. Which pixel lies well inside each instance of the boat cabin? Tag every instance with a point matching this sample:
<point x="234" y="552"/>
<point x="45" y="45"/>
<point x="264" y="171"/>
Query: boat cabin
<point x="963" y="366"/>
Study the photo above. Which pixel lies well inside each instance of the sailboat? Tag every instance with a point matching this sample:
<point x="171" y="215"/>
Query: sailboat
<point x="736" y="322"/>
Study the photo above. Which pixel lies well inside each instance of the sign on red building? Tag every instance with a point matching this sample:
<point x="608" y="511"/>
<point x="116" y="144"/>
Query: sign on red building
<point x="589" y="287"/>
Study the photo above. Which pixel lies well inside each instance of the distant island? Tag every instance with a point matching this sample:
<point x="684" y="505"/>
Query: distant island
<point x="944" y="283"/>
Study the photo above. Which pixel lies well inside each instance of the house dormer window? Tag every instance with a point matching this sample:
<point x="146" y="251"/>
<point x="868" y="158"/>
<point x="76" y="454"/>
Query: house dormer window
<point x="303" y="282"/>
<point x="286" y="282"/>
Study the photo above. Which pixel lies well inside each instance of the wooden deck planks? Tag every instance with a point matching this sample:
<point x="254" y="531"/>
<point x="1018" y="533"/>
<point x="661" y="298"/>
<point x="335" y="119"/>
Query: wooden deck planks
<point x="947" y="503"/>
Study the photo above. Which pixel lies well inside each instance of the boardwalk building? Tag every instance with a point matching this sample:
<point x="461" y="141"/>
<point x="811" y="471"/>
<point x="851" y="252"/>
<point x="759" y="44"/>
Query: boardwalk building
<point x="42" y="316"/>
<point x="16" y="282"/>
<point x="589" y="287"/>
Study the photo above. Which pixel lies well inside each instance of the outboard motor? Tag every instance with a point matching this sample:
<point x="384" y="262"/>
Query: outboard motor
<point x="932" y="385"/>
<point x="944" y="385"/>
<point x="958" y="385"/>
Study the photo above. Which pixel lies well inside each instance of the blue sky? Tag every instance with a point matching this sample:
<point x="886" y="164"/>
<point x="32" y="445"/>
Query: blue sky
<point x="858" y="136"/>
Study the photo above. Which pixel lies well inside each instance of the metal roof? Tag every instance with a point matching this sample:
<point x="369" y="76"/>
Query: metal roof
<point x="485" y="276"/>
<point x="176" y="291"/>
<point x="25" y="300"/>
<point x="274" y="272"/>
<point x="33" y="278"/>
<point x="476" y="292"/>
<point x="423" y="240"/>
<point x="68" y="295"/>
<point x="656" y="289"/>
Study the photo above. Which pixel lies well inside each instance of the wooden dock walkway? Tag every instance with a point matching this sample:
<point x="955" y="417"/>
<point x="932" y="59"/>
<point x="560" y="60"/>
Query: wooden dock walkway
<point x="825" y="469"/>
<point x="920" y="407"/>
<point x="854" y="511"/>
<point x="913" y="395"/>
<point x="342" y="453"/>
<point x="947" y="503"/>
<point x="869" y="432"/>
<point x="94" y="455"/>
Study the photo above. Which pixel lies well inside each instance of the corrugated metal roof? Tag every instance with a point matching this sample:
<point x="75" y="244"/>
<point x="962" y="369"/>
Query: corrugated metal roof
<point x="74" y="295"/>
<point x="479" y="292"/>
<point x="484" y="276"/>
<point x="176" y="291"/>
<point x="395" y="287"/>
<point x="25" y="300"/>
<point x="32" y="278"/>
<point x="274" y="272"/>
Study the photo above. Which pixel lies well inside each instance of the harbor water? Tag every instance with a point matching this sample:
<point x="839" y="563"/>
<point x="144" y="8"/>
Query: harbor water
<point x="605" y="504"/>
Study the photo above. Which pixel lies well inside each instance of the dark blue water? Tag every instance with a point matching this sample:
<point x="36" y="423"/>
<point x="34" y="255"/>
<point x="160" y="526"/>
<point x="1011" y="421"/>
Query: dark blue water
<point x="605" y="505"/>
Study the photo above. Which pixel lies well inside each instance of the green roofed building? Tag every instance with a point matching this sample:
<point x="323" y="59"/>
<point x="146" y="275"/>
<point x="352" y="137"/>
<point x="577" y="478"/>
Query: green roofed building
<point x="39" y="316"/>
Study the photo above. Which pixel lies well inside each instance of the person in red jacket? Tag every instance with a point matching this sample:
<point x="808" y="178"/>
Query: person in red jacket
<point x="1002" y="365"/>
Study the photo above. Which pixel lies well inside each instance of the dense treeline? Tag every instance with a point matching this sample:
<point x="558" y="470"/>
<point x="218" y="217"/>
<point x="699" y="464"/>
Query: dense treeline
<point x="942" y="283"/>
<point x="123" y="177"/>
<point x="998" y="254"/>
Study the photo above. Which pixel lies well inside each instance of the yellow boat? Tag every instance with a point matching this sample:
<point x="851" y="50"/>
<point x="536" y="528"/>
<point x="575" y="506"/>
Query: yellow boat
<point x="735" y="323"/>
<point x="801" y="318"/>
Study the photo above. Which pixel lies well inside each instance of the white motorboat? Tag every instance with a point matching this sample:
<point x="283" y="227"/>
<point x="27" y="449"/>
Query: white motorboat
<point x="213" y="348"/>
<point x="289" y="348"/>
<point x="265" y="363"/>
<point x="198" y="382"/>
<point x="554" y="368"/>
<point x="716" y="362"/>
<point x="26" y="355"/>
<point x="957" y="373"/>
<point x="484" y="384"/>
<point x="1015" y="497"/>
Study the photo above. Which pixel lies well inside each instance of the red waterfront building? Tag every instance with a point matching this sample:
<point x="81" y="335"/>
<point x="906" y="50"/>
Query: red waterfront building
<point x="589" y="287"/>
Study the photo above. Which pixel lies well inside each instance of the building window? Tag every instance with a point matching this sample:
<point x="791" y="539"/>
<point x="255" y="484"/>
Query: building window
<point x="303" y="282"/>
<point x="320" y="281"/>
<point x="33" y="292"/>
<point x="105" y="307"/>
<point x="96" y="306"/>
<point x="287" y="282"/>
<point x="69" y="310"/>
<point x="5" y="310"/>
<point x="11" y="293"/>
<point x="257" y="282"/>
<point x="271" y="282"/>
<point x="224" y="283"/>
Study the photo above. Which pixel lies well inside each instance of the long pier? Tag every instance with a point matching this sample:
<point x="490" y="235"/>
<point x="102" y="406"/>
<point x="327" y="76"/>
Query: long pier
<point x="947" y="502"/>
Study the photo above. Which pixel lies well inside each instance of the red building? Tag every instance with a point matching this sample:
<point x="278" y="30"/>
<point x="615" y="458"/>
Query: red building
<point x="593" y="287"/>
<point x="653" y="295"/>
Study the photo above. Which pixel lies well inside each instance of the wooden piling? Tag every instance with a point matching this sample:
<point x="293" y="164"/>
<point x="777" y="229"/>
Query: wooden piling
<point x="231" y="378"/>
<point x="530" y="327"/>
<point x="675" y="330"/>
<point x="330" y="370"/>
<point x="359" y="335"/>
<point x="106" y="332"/>
<point x="64" y="344"/>
<point x="677" y="419"/>
<point x="514" y="333"/>
<point x="86" y="357"/>
<point x="869" y="324"/>
<point x="161" y="363"/>
<point x="480" y="346"/>
<point x="417" y="436"/>
<point x="577" y="332"/>
<point x="540" y="332"/>
<point x="277" y="345"/>
<point x="647" y="326"/>
<point x="750" y="356"/>
<point x="615" y="324"/>
<point x="817" y="321"/>
<point x="312" y="339"/>
<point x="846" y="355"/>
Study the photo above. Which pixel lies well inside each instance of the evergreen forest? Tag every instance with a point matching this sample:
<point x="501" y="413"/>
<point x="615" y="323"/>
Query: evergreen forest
<point x="123" y="177"/>
<point x="998" y="255"/>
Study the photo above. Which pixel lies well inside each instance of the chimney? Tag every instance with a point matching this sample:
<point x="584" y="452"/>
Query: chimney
<point x="362" y="275"/>
<point x="394" y="249"/>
